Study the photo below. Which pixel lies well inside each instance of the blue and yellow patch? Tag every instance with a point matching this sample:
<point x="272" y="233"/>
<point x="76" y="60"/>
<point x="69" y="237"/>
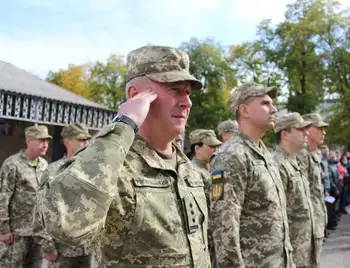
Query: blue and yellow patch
<point x="217" y="178"/>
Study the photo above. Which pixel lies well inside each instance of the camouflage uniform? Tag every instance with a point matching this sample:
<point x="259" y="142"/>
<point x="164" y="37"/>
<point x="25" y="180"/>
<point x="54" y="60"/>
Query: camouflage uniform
<point x="296" y="186"/>
<point x="249" y="204"/>
<point x="225" y="126"/>
<point x="68" y="256"/>
<point x="310" y="163"/>
<point x="207" y="137"/>
<point x="152" y="212"/>
<point x="20" y="178"/>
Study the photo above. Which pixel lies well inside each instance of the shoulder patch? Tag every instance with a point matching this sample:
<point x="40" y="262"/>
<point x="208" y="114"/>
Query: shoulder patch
<point x="217" y="178"/>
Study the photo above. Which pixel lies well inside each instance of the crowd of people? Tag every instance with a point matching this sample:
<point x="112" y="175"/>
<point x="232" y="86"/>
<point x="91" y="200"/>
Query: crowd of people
<point x="130" y="197"/>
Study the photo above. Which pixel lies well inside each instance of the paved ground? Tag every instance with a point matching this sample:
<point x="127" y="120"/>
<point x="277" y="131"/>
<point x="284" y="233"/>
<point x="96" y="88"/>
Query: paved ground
<point x="336" y="250"/>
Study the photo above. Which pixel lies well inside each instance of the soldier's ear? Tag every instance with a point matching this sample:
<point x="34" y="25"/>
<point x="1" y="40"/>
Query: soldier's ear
<point x="132" y="92"/>
<point x="243" y="110"/>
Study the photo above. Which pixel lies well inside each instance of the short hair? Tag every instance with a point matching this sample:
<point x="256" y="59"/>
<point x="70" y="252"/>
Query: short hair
<point x="138" y="80"/>
<point x="247" y="101"/>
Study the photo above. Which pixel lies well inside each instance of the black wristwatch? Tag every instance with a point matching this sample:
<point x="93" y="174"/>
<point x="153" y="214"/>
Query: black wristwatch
<point x="126" y="120"/>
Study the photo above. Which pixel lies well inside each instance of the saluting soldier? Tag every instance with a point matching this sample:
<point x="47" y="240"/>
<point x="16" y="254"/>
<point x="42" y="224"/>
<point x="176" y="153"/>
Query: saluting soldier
<point x="132" y="185"/>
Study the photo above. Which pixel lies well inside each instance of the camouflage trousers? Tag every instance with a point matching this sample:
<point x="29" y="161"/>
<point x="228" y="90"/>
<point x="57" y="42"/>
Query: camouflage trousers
<point x="317" y="248"/>
<point x="72" y="262"/>
<point x="5" y="255"/>
<point x="23" y="253"/>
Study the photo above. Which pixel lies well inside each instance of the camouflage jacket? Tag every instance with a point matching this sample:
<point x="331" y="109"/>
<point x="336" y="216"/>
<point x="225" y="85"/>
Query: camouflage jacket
<point x="249" y="207"/>
<point x="200" y="165"/>
<point x="40" y="232"/>
<point x="20" y="179"/>
<point x="299" y="207"/>
<point x="150" y="214"/>
<point x="310" y="165"/>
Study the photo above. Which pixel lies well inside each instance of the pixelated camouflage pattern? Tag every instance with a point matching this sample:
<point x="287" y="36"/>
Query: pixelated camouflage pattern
<point x="299" y="207"/>
<point x="62" y="249"/>
<point x="160" y="63"/>
<point x="205" y="136"/>
<point x="72" y="262"/>
<point x="240" y="94"/>
<point x="315" y="119"/>
<point x="309" y="162"/>
<point x="5" y="255"/>
<point x="76" y="131"/>
<point x="20" y="179"/>
<point x="37" y="132"/>
<point x="228" y="126"/>
<point x="250" y="225"/>
<point x="292" y="120"/>
<point x="149" y="215"/>
<point x="201" y="166"/>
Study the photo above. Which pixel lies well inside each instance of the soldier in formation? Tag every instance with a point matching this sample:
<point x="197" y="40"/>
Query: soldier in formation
<point x="203" y="145"/>
<point x="310" y="163"/>
<point x="20" y="178"/>
<point x="291" y="137"/>
<point x="250" y="225"/>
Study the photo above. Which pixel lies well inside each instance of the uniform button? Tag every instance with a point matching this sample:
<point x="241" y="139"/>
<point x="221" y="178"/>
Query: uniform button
<point x="191" y="205"/>
<point x="193" y="220"/>
<point x="192" y="212"/>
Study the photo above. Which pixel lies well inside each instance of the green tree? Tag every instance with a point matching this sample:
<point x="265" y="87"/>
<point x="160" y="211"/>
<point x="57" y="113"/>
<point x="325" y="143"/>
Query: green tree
<point x="73" y="78"/>
<point x="253" y="62"/>
<point x="107" y="81"/>
<point x="209" y="63"/>
<point x="295" y="48"/>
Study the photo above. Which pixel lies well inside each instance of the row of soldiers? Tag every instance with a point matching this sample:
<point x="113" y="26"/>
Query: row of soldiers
<point x="24" y="242"/>
<point x="297" y="159"/>
<point x="136" y="193"/>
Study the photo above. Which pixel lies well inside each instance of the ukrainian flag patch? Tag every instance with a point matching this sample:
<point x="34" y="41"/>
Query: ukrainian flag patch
<point x="217" y="176"/>
<point x="217" y="185"/>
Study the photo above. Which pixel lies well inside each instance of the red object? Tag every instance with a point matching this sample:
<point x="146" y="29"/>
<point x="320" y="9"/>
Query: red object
<point x="341" y="170"/>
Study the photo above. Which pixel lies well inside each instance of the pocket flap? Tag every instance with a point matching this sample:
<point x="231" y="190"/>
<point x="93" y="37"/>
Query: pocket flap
<point x="258" y="163"/>
<point x="195" y="183"/>
<point x="146" y="182"/>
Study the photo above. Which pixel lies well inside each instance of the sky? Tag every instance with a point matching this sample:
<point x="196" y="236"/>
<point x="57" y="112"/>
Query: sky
<point x="39" y="36"/>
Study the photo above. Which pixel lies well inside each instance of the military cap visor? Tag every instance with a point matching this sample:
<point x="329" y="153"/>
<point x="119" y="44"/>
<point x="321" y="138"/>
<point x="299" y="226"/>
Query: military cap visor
<point x="319" y="124"/>
<point x="206" y="137"/>
<point x="211" y="141"/>
<point x="175" y="76"/>
<point x="76" y="131"/>
<point x="39" y="137"/>
<point x="37" y="133"/>
<point x="315" y="119"/>
<point x="299" y="125"/>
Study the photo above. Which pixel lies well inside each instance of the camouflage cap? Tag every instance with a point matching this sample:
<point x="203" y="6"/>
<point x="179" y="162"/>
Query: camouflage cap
<point x="206" y="136"/>
<point x="241" y="94"/>
<point x="228" y="126"/>
<point x="292" y="120"/>
<point x="315" y="119"/>
<point x="39" y="132"/>
<point x="76" y="131"/>
<point x="161" y="64"/>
